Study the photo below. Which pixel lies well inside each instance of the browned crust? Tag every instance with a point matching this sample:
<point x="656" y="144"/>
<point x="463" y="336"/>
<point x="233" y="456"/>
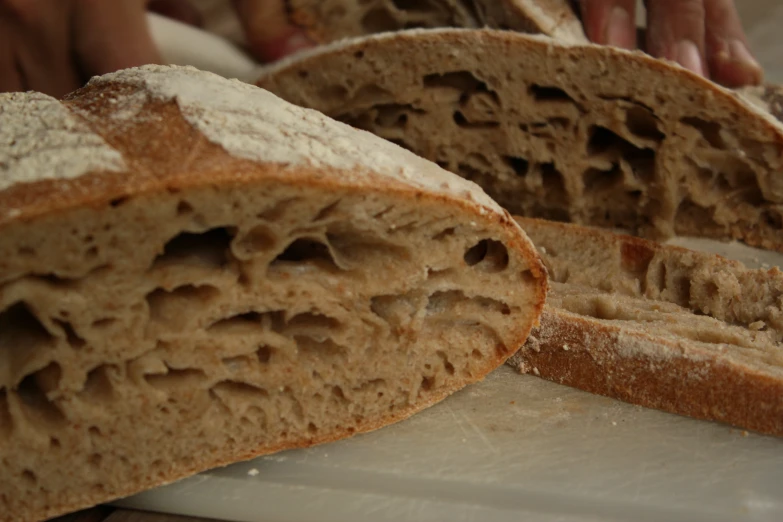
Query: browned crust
<point x="584" y="354"/>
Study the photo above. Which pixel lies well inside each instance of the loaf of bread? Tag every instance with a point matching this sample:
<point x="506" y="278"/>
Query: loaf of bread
<point x="659" y="326"/>
<point x="581" y="133"/>
<point x="194" y="272"/>
<point x="330" y="20"/>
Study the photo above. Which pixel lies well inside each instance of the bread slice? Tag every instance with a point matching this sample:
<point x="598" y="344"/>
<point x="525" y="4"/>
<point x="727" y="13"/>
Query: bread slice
<point x="330" y="20"/>
<point x="194" y="272"/>
<point x="580" y="133"/>
<point x="660" y="326"/>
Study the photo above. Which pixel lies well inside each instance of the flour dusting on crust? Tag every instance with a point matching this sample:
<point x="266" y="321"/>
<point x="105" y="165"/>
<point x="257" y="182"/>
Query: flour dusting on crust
<point x="251" y="123"/>
<point x="41" y="140"/>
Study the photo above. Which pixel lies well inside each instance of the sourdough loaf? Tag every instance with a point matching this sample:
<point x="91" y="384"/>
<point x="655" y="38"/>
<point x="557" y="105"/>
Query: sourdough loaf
<point x="330" y="20"/>
<point x="659" y="326"/>
<point x="581" y="133"/>
<point x="194" y="272"/>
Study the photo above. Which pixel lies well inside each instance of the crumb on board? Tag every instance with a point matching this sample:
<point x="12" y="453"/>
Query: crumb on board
<point x="253" y="472"/>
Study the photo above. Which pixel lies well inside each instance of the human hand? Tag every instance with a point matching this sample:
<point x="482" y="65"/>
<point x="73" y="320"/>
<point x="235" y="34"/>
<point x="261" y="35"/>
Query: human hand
<point x="53" y="46"/>
<point x="269" y="34"/>
<point x="705" y="36"/>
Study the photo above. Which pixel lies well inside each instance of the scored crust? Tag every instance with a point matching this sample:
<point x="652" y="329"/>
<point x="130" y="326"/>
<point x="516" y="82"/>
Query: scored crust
<point x="581" y="133"/>
<point x="659" y="326"/>
<point x="331" y="20"/>
<point x="246" y="277"/>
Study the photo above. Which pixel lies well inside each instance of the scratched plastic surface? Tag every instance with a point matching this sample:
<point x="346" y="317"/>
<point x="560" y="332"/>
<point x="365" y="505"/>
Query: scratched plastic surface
<point x="511" y="448"/>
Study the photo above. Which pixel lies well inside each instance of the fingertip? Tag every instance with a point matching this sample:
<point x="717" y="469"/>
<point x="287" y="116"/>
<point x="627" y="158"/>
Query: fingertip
<point x="733" y="65"/>
<point x="270" y="50"/>
<point x="620" y="28"/>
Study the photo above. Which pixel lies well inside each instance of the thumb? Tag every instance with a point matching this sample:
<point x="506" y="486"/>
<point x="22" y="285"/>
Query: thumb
<point x="269" y="33"/>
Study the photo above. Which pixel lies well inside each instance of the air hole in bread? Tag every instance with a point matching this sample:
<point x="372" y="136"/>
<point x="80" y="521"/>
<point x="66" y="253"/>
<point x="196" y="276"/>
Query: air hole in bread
<point x="118" y="202"/>
<point x="328" y="212"/>
<point x="29" y="478"/>
<point x="603" y="140"/>
<point x="95" y="460"/>
<point x="462" y="81"/>
<point x="39" y="410"/>
<point x="258" y="240"/>
<point x="103" y="324"/>
<point x="710" y="131"/>
<point x="427" y="383"/>
<point x="176" y="309"/>
<point x="208" y="249"/>
<point x="543" y="93"/>
<point x="175" y="380"/>
<point x="337" y="393"/>
<point x="319" y="347"/>
<point x="307" y="250"/>
<point x="487" y="255"/>
<point x="71" y="337"/>
<point x="444" y="234"/>
<point x="313" y="325"/>
<point x="520" y="166"/>
<point x="264" y="354"/>
<point x="462" y="121"/>
<point x="773" y="218"/>
<point x="98" y="387"/>
<point x="54" y="443"/>
<point x="241" y="395"/>
<point x="392" y="115"/>
<point x="20" y="327"/>
<point x="602" y="180"/>
<point x="354" y="247"/>
<point x="642" y="123"/>
<point x="446" y="364"/>
<point x="6" y="421"/>
<point x="379" y="20"/>
<point x="184" y="208"/>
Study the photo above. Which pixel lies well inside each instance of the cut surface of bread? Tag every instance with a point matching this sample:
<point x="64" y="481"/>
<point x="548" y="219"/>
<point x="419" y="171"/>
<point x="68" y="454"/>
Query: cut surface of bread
<point x="194" y="272"/>
<point x="330" y="20"/>
<point x="659" y="326"/>
<point x="581" y="133"/>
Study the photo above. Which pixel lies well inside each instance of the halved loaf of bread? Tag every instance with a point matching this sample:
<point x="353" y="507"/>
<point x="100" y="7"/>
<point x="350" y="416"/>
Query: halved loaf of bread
<point x="660" y="326"/>
<point x="330" y="20"/>
<point x="581" y="133"/>
<point x="194" y="272"/>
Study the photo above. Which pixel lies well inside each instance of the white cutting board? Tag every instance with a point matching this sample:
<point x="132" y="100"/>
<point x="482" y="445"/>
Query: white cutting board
<point x="511" y="448"/>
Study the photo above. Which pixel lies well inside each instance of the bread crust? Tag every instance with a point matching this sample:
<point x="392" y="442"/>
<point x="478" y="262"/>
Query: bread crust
<point x="575" y="351"/>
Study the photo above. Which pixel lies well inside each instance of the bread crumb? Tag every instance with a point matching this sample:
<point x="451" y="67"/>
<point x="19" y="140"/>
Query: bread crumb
<point x="513" y="402"/>
<point x="566" y="347"/>
<point x="253" y="472"/>
<point x="536" y="372"/>
<point x="758" y="325"/>
<point x="745" y="433"/>
<point x="614" y="423"/>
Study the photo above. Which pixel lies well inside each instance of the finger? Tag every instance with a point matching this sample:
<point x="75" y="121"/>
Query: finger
<point x="10" y="79"/>
<point x="675" y="30"/>
<point x="113" y="35"/>
<point x="180" y="10"/>
<point x="39" y="36"/>
<point x="728" y="55"/>
<point x="268" y="31"/>
<point x="610" y="22"/>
